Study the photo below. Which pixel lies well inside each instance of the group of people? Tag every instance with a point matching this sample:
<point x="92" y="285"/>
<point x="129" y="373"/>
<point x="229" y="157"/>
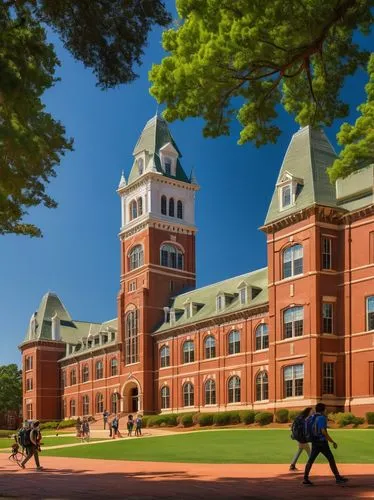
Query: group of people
<point x="82" y="428"/>
<point x="319" y="439"/>
<point x="114" y="431"/>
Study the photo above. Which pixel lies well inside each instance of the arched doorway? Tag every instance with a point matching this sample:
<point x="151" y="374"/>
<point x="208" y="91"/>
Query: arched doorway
<point x="131" y="402"/>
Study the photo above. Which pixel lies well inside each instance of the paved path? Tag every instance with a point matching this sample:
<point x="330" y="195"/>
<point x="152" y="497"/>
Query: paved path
<point x="78" y="478"/>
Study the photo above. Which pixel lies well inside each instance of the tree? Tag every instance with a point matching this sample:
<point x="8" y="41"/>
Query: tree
<point x="358" y="139"/>
<point x="108" y="36"/>
<point x="10" y="388"/>
<point x="249" y="57"/>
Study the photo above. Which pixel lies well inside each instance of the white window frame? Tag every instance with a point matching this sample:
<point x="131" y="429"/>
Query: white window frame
<point x="293" y="254"/>
<point x="326" y="318"/>
<point x="326" y="253"/>
<point x="297" y="311"/>
<point x="291" y="374"/>
<point x="369" y="312"/>
<point x="328" y="377"/>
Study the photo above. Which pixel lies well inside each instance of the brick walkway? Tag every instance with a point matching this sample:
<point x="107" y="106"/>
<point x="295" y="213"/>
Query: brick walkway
<point x="76" y="478"/>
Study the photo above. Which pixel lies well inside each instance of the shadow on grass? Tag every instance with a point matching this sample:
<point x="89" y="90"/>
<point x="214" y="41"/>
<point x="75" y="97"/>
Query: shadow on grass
<point x="167" y="484"/>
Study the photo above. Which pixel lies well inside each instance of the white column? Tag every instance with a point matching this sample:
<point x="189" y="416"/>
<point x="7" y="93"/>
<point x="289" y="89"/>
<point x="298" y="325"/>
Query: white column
<point x="123" y="211"/>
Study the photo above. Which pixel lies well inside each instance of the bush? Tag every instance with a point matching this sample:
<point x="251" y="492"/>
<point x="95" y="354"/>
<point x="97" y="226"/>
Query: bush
<point x="204" y="419"/>
<point x="181" y="415"/>
<point x="70" y="422"/>
<point x="49" y="425"/>
<point x="166" y="420"/>
<point x="4" y="433"/>
<point x="234" y="417"/>
<point x="343" y="419"/>
<point x="186" y="420"/>
<point x="221" y="418"/>
<point x="264" y="418"/>
<point x="292" y="414"/>
<point x="247" y="417"/>
<point x="281" y="416"/>
<point x="370" y="417"/>
<point x="358" y="421"/>
<point x="146" y="420"/>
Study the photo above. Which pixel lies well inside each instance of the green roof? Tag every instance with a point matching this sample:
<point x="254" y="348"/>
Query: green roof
<point x="154" y="136"/>
<point x="307" y="158"/>
<point x="357" y="190"/>
<point x="205" y="298"/>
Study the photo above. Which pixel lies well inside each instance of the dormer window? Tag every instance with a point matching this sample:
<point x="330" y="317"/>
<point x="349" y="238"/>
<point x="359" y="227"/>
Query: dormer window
<point x="289" y="188"/>
<point x="140" y="166"/>
<point x="243" y="295"/>
<point x="219" y="303"/>
<point x="167" y="165"/>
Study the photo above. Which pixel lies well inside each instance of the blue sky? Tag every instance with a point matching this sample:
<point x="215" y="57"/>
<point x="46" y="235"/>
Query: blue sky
<point x="78" y="258"/>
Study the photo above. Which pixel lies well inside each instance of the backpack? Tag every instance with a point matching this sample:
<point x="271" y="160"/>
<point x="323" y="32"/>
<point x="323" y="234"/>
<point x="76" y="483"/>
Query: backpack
<point x="298" y="430"/>
<point x="24" y="437"/>
<point x="311" y="433"/>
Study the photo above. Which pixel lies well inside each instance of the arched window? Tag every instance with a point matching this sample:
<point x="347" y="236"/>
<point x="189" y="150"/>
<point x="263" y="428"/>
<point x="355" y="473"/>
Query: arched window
<point x="85" y="405"/>
<point x="72" y="408"/>
<point x="210" y="347"/>
<point x="164" y="356"/>
<point x="163" y="204"/>
<point x="136" y="257"/>
<point x="234" y="389"/>
<point x="262" y="337"/>
<point x="180" y="210"/>
<point x="234" y="342"/>
<point x="171" y="256"/>
<point x="85" y="373"/>
<point x="210" y="392"/>
<point x="165" y="397"/>
<point x="188" y="394"/>
<point x="132" y="341"/>
<point x="171" y="207"/>
<point x="293" y="322"/>
<point x="99" y="403"/>
<point x="292" y="261"/>
<point x="133" y="210"/>
<point x="188" y="352"/>
<point x="99" y="370"/>
<point x="73" y="377"/>
<point x="113" y="367"/>
<point x="114" y="402"/>
<point x="140" y="206"/>
<point x="262" y="386"/>
<point x="140" y="166"/>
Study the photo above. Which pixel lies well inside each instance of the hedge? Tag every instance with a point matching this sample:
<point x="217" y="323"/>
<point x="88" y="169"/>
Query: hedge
<point x="221" y="418"/>
<point x="264" y="418"/>
<point x="166" y="420"/>
<point x="292" y="414"/>
<point x="247" y="417"/>
<point x="204" y="419"/>
<point x="186" y="420"/>
<point x="370" y="417"/>
<point x="346" y="418"/>
<point x="281" y="416"/>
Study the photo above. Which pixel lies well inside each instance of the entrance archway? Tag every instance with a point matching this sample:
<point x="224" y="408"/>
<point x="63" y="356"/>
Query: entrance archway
<point x="131" y="402"/>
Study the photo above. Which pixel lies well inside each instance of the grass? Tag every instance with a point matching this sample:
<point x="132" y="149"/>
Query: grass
<point x="47" y="440"/>
<point x="234" y="446"/>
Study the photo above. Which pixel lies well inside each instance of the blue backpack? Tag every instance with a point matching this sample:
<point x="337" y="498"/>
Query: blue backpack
<point x="311" y="432"/>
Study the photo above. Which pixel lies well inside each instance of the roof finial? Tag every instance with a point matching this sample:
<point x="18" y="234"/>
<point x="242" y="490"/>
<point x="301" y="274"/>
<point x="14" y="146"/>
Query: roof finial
<point x="122" y="182"/>
<point x="193" y="176"/>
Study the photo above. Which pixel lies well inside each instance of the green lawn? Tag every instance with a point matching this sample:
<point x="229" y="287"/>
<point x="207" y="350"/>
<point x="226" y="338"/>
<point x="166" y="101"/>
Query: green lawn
<point x="46" y="440"/>
<point x="234" y="446"/>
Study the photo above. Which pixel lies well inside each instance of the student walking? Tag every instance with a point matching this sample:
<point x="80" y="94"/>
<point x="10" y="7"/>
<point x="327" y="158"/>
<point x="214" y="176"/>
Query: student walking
<point x="85" y="430"/>
<point x="130" y="425"/>
<point x="138" y="425"/>
<point x="115" y="425"/>
<point x="298" y="434"/>
<point x="105" y="418"/>
<point x="78" y="427"/>
<point x="320" y="444"/>
<point x="33" y="447"/>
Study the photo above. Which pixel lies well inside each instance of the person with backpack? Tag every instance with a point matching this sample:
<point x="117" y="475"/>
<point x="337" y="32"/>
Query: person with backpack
<point x="130" y="425"/>
<point x="32" y="442"/>
<point x="316" y="433"/>
<point x="138" y="426"/>
<point x="115" y="425"/>
<point x="298" y="434"/>
<point x="22" y="438"/>
<point x="105" y="418"/>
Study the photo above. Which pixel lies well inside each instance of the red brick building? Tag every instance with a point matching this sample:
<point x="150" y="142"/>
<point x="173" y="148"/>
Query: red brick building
<point x="286" y="336"/>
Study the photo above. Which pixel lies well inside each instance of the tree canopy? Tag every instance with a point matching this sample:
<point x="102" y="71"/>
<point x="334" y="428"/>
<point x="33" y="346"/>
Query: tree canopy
<point x="10" y="388"/>
<point x="248" y="58"/>
<point x="108" y="36"/>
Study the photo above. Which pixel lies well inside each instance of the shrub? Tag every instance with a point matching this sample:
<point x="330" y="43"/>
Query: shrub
<point x="181" y="415"/>
<point x="70" y="422"/>
<point x="281" y="416"/>
<point x="234" y="417"/>
<point x="292" y="414"/>
<point x="221" y="418"/>
<point x="247" y="417"/>
<point x="370" y="417"/>
<point x="358" y="421"/>
<point x="146" y="420"/>
<point x="4" y="433"/>
<point x="187" y="421"/>
<point x="155" y="421"/>
<point x="204" y="419"/>
<point x="49" y="425"/>
<point x="264" y="418"/>
<point x="343" y="419"/>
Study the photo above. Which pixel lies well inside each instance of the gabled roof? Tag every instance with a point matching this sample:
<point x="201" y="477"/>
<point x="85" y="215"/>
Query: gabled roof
<point x="206" y="296"/>
<point x="307" y="158"/>
<point x="155" y="136"/>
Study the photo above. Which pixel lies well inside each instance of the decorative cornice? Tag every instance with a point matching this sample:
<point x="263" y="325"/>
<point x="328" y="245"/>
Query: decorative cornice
<point x="143" y="179"/>
<point x="155" y="222"/>
<point x="358" y="214"/>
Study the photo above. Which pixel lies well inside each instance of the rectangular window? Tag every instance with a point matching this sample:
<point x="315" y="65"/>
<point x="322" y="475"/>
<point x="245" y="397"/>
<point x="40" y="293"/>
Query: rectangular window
<point x="243" y="295"/>
<point x="293" y="381"/>
<point x="293" y="319"/>
<point x="188" y="311"/>
<point x="370" y="313"/>
<point x="219" y="301"/>
<point x="29" y="384"/>
<point x="328" y="377"/>
<point x="29" y="411"/>
<point x="164" y="258"/>
<point x="286" y="196"/>
<point x="28" y="363"/>
<point x="132" y="286"/>
<point x="327" y="317"/>
<point x="326" y="253"/>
